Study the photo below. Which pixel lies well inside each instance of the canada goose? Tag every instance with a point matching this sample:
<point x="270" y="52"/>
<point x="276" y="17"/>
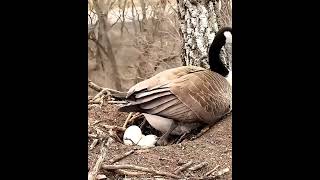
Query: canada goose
<point x="178" y="100"/>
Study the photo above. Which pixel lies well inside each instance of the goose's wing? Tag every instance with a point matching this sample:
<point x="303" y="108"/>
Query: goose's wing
<point x="184" y="94"/>
<point x="206" y="93"/>
<point x="153" y="96"/>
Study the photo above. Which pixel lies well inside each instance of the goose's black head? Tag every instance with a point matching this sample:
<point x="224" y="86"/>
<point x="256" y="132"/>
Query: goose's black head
<point x="222" y="36"/>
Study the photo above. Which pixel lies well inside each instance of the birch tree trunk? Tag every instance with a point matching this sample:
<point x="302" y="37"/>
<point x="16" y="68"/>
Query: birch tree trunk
<point x="199" y="21"/>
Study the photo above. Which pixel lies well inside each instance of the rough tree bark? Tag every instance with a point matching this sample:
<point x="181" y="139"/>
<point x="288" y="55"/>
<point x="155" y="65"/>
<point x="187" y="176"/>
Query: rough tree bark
<point x="198" y="24"/>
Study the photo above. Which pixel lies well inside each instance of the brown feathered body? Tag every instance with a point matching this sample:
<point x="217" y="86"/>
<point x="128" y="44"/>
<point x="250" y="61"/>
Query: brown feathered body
<point x="187" y="95"/>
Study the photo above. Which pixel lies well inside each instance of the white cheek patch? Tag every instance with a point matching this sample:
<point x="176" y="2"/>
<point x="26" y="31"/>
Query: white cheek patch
<point x="228" y="36"/>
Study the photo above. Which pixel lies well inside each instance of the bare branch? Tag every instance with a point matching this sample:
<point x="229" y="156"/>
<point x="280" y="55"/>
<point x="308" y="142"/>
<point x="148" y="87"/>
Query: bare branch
<point x="129" y="173"/>
<point x="139" y="168"/>
<point x="98" y="88"/>
<point x="94" y="171"/>
<point x="117" y="102"/>
<point x="104" y="91"/>
<point x="94" y="143"/>
<point x="183" y="167"/>
<point x="116" y="128"/>
<point x="126" y="122"/>
<point x="121" y="157"/>
<point x="198" y="166"/>
<point x="211" y="171"/>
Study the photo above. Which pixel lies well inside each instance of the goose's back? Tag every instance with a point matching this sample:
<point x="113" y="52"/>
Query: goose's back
<point x="185" y="94"/>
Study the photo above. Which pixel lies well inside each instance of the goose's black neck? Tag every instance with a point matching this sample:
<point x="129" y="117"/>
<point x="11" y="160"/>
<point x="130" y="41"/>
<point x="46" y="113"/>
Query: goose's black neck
<point x="215" y="62"/>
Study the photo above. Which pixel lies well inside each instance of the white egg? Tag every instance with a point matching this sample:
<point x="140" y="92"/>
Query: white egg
<point x="132" y="135"/>
<point x="148" y="141"/>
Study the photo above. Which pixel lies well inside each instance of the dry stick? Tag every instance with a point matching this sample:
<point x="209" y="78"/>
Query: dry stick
<point x="126" y="122"/>
<point x="92" y="135"/>
<point x="92" y="105"/>
<point x="134" y="117"/>
<point x="138" y="168"/>
<point x="102" y="99"/>
<point x="117" y="102"/>
<point x="98" y="88"/>
<point x="211" y="171"/>
<point x="101" y="176"/>
<point x="121" y="157"/>
<point x="129" y="173"/>
<point x="117" y="128"/>
<point x="101" y="93"/>
<point x="98" y="122"/>
<point x="183" y="167"/>
<point x="94" y="143"/>
<point x="94" y="171"/>
<point x="94" y="102"/>
<point x="94" y="86"/>
<point x="220" y="173"/>
<point x="198" y="166"/>
<point x="114" y="135"/>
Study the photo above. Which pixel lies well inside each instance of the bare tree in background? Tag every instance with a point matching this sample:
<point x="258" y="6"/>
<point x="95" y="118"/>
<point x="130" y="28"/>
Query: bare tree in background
<point x="104" y="47"/>
<point x="199" y="21"/>
<point x="123" y="15"/>
<point x="144" y="15"/>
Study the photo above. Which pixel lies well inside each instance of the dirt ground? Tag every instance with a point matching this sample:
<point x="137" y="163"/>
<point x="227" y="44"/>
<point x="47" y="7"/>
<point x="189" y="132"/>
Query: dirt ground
<point x="214" y="147"/>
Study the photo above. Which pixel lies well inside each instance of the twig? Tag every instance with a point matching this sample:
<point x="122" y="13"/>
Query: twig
<point x="109" y="141"/>
<point x="117" y="102"/>
<point x="129" y="173"/>
<point x="183" y="167"/>
<point x="98" y="122"/>
<point x="98" y="88"/>
<point x="139" y="168"/>
<point x="126" y="122"/>
<point x="198" y="166"/>
<point x="94" y="143"/>
<point x="204" y="130"/>
<point x="93" y="136"/>
<point x="101" y="176"/>
<point x="134" y="117"/>
<point x="221" y="173"/>
<point x="211" y="171"/>
<point x="92" y="105"/>
<point x="115" y="22"/>
<point x="121" y="157"/>
<point x="94" y="171"/>
<point x="103" y="91"/>
<point x="114" y="135"/>
<point x="94" y="102"/>
<point x="117" y="128"/>
<point x="94" y="86"/>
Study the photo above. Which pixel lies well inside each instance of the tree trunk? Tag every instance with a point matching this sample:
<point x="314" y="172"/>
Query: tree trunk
<point x="133" y="18"/>
<point x="123" y="16"/>
<point x="104" y="47"/>
<point x="144" y="15"/>
<point x="198" y="25"/>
